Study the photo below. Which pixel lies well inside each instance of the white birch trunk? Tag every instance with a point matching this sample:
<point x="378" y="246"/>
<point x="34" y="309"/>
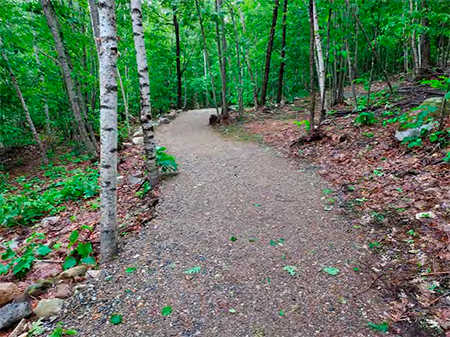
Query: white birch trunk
<point x="144" y="89"/>
<point x="125" y="103"/>
<point x="52" y="22"/>
<point x="319" y="59"/>
<point x="25" y="108"/>
<point x="108" y="129"/>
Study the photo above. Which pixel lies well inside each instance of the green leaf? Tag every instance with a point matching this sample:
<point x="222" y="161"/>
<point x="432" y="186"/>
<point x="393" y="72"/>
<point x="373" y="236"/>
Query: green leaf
<point x="70" y="262"/>
<point x="331" y="271"/>
<point x="43" y="250"/>
<point x="281" y="313"/>
<point x="90" y="260"/>
<point x="70" y="332"/>
<point x="84" y="249"/>
<point x="130" y="270"/>
<point x="233" y="238"/>
<point x="166" y="311"/>
<point x="73" y="237"/>
<point x="383" y="327"/>
<point x="115" y="319"/>
<point x="291" y="270"/>
<point x="232" y="310"/>
<point x="447" y="95"/>
<point x="57" y="246"/>
<point x="193" y="270"/>
<point x="4" y="268"/>
<point x="8" y="254"/>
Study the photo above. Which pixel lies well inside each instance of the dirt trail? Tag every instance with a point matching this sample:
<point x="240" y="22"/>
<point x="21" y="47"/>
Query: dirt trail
<point x="232" y="189"/>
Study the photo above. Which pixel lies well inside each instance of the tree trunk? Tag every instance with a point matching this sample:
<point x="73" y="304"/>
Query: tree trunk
<point x="52" y="22"/>
<point x="283" y="54"/>
<point x="25" y="109"/>
<point x="108" y="129"/>
<point x="413" y="40"/>
<point x="208" y="63"/>
<point x="320" y="62"/>
<point x="312" y="84"/>
<point x="425" y="46"/>
<point x="269" y="53"/>
<point x="248" y="62"/>
<point x="144" y="89"/>
<point x="205" y="67"/>
<point x="178" y="61"/>
<point x="41" y="77"/>
<point x="350" y="75"/>
<point x="375" y="54"/>
<point x="222" y="47"/>
<point x="238" y="56"/>
<point x="125" y="103"/>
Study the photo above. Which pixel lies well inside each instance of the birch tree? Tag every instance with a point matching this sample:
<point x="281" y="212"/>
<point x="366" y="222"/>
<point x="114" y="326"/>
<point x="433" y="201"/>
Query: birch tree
<point x="108" y="128"/>
<point x="321" y="72"/>
<point x="144" y="89"/>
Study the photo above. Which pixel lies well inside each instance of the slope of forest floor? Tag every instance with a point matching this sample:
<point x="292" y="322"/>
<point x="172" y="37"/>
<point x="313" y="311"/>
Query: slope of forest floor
<point x="399" y="197"/>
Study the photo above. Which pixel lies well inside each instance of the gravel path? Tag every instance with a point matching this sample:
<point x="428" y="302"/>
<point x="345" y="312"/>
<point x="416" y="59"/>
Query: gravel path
<point x="225" y="190"/>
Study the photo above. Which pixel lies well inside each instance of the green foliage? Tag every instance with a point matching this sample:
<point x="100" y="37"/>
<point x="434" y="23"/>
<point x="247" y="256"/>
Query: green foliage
<point x="115" y="319"/>
<point x="331" y="271"/>
<point x="60" y="331"/>
<point x="21" y="260"/>
<point x="383" y="327"/>
<point x="193" y="270"/>
<point x="166" y="311"/>
<point x="305" y="123"/>
<point x="166" y="162"/>
<point x="365" y="118"/>
<point x="447" y="158"/>
<point x="33" y="200"/>
<point x="79" y="251"/>
<point x="292" y="270"/>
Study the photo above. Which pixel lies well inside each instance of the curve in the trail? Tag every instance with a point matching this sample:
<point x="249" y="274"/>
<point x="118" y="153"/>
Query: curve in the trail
<point x="254" y="222"/>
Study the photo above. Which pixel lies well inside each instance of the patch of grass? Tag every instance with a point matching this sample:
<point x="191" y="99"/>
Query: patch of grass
<point x="239" y="133"/>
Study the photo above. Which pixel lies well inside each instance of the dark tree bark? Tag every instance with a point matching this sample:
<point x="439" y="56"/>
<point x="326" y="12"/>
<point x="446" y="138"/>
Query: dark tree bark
<point x="312" y="84"/>
<point x="269" y="53"/>
<point x="178" y="53"/>
<point x="283" y="54"/>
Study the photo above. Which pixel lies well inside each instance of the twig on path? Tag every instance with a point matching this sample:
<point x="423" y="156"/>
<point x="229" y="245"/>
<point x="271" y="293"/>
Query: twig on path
<point x="371" y="285"/>
<point x="436" y="273"/>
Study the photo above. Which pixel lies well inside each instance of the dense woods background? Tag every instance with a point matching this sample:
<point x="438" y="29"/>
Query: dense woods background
<point x="261" y="48"/>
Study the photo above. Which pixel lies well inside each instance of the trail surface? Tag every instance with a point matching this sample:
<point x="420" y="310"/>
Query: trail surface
<point x="228" y="189"/>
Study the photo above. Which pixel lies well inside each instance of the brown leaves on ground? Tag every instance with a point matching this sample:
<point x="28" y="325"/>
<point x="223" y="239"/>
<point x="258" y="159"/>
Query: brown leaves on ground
<point x="374" y="174"/>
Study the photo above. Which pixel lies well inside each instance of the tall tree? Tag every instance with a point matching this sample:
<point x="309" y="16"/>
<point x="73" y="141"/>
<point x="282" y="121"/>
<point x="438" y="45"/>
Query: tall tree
<point x="239" y="66"/>
<point x="144" y="89"/>
<point x="176" y="26"/>
<point x="425" y="46"/>
<point x="269" y="53"/>
<point x="222" y="48"/>
<point x="312" y="83"/>
<point x="24" y="106"/>
<point x="321" y="71"/>
<point x="283" y="53"/>
<point x="108" y="128"/>
<point x="69" y="82"/>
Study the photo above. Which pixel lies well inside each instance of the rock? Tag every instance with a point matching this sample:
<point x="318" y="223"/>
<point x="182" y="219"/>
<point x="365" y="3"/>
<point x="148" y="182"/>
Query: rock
<point x="164" y="120"/>
<point x="138" y="141"/>
<point x="126" y="144"/>
<point x="63" y="291"/>
<point x="19" y="329"/>
<point x="95" y="274"/>
<point x="135" y="180"/>
<point x="39" y="288"/>
<point x="49" y="307"/>
<point x="44" y="270"/>
<point x="8" y="291"/>
<point x="13" y="313"/>
<point x="413" y="132"/>
<point x="435" y="103"/>
<point x="50" y="221"/>
<point x="138" y="133"/>
<point x="73" y="272"/>
<point x="172" y="115"/>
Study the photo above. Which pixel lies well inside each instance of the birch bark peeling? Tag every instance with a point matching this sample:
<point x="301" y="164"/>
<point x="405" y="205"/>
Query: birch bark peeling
<point x="108" y="129"/>
<point x="144" y="89"/>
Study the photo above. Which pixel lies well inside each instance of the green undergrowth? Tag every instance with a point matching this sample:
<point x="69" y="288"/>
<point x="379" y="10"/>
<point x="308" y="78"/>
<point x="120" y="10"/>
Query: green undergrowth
<point x="25" y="200"/>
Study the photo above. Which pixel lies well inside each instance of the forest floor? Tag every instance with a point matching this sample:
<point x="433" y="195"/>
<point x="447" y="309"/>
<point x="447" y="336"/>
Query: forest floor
<point x="241" y="246"/>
